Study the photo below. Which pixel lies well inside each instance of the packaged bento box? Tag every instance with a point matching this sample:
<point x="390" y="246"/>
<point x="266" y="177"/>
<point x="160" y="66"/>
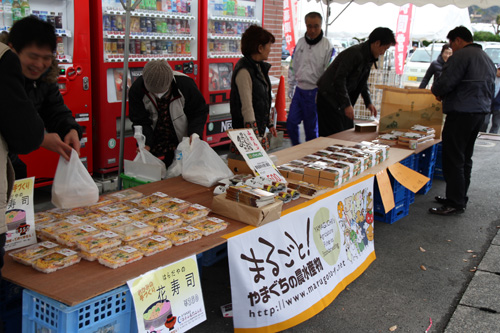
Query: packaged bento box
<point x="146" y="214"/>
<point x="28" y="254"/>
<point x="61" y="213"/>
<point x="104" y="200"/>
<point x="120" y="256"/>
<point x="152" y="200"/>
<point x="69" y="237"/>
<point x="98" y="242"/>
<point x="59" y="259"/>
<point x="152" y="245"/>
<point x="210" y="226"/>
<point x="125" y="195"/>
<point x="134" y="230"/>
<point x="165" y="222"/>
<point x="183" y="235"/>
<point x="50" y="231"/>
<point x="114" y="208"/>
<point x="194" y="213"/>
<point x="43" y="217"/>
<point x="108" y="223"/>
<point x="174" y="205"/>
<point x="84" y="216"/>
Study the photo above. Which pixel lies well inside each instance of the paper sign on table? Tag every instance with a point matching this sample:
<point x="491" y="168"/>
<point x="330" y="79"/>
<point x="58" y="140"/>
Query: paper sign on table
<point x="407" y="177"/>
<point x="385" y="188"/>
<point x="20" y="216"/>
<point x="256" y="157"/>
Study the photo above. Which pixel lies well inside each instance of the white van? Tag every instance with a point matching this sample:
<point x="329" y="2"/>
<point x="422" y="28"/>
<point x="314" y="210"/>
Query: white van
<point x="493" y="51"/>
<point x="418" y="63"/>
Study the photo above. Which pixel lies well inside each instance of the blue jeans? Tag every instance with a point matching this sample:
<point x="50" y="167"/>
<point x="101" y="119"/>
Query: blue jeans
<point x="303" y="108"/>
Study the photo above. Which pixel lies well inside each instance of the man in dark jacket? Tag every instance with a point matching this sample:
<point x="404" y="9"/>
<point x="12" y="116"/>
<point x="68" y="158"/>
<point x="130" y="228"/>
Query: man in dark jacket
<point x="21" y="129"/>
<point x="345" y="79"/>
<point x="466" y="87"/>
<point x="168" y="106"/>
<point x="436" y="66"/>
<point x="34" y="41"/>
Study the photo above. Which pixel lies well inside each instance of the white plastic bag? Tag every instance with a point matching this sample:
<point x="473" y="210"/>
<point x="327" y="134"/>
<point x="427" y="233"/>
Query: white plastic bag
<point x="73" y="186"/>
<point x="182" y="151"/>
<point x="202" y="165"/>
<point x="144" y="156"/>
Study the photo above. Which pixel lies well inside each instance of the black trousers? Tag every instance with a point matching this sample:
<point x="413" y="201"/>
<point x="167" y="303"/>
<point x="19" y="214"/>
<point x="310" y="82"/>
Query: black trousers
<point x="459" y="135"/>
<point x="3" y="238"/>
<point x="331" y="119"/>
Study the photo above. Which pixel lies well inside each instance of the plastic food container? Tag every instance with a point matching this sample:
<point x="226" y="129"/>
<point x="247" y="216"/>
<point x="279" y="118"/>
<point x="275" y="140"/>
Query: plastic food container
<point x="98" y="242"/>
<point x="113" y="208"/>
<point x="59" y="259"/>
<point x="146" y="214"/>
<point x="210" y="226"/>
<point x="194" y="212"/>
<point x="104" y="200"/>
<point x="152" y="200"/>
<point x="121" y="256"/>
<point x="174" y="205"/>
<point x="152" y="245"/>
<point x="134" y="230"/>
<point x="61" y="213"/>
<point x="125" y="195"/>
<point x="84" y="216"/>
<point x="53" y="229"/>
<point x="165" y="222"/>
<point x="70" y="236"/>
<point x="183" y="235"/>
<point x="28" y="254"/>
<point x="110" y="223"/>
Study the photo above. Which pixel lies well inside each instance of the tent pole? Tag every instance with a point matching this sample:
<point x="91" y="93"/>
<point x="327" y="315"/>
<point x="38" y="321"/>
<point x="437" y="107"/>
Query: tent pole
<point x="128" y="8"/>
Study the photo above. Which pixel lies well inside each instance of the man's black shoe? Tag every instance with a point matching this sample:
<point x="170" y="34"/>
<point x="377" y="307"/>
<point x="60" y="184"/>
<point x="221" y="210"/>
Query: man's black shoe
<point x="445" y="210"/>
<point x="441" y="200"/>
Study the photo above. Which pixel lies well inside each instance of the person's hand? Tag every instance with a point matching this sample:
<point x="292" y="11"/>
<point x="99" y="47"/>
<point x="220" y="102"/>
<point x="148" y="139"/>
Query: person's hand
<point x="290" y="92"/>
<point x="349" y="112"/>
<point x="273" y="131"/>
<point x="53" y="142"/>
<point x="72" y="140"/>
<point x="373" y="110"/>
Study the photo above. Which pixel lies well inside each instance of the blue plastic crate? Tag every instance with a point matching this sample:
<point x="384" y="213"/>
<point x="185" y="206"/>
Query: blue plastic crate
<point x="110" y="312"/>
<point x="401" y="209"/>
<point x="426" y="188"/>
<point x="213" y="255"/>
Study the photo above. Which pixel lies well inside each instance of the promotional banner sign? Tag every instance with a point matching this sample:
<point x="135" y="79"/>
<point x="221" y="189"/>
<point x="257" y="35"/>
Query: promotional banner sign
<point x="169" y="299"/>
<point x="288" y="25"/>
<point x="285" y="272"/>
<point x="403" y="36"/>
<point x="256" y="157"/>
<point x="20" y="216"/>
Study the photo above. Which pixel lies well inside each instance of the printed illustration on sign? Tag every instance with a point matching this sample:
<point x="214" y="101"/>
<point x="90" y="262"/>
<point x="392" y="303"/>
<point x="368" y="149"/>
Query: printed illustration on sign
<point x="326" y="235"/>
<point x="159" y="313"/>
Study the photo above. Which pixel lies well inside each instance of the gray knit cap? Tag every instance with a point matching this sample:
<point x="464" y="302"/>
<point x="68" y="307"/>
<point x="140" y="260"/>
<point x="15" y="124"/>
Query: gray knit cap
<point x="158" y="76"/>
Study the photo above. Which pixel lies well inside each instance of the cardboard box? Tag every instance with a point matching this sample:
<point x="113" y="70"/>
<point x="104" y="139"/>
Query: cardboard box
<point x="403" y="108"/>
<point x="244" y="213"/>
<point x="311" y="179"/>
<point x="295" y="176"/>
<point x="312" y="172"/>
<point x="327" y="182"/>
<point x="239" y="166"/>
<point x="365" y="127"/>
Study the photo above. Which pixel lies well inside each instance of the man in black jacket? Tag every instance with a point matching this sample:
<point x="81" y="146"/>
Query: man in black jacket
<point x="345" y="79"/>
<point x="34" y="41"/>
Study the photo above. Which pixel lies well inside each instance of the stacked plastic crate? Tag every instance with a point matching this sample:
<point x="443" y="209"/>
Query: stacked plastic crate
<point x="402" y="198"/>
<point x="427" y="165"/>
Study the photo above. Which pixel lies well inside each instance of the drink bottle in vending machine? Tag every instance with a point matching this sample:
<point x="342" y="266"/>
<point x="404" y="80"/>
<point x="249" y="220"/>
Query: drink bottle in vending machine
<point x="70" y="19"/>
<point x="159" y="30"/>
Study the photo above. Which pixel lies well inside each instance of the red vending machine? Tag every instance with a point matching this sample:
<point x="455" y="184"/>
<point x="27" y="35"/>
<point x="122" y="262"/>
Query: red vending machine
<point x="71" y="19"/>
<point x="162" y="29"/>
<point x="219" y="52"/>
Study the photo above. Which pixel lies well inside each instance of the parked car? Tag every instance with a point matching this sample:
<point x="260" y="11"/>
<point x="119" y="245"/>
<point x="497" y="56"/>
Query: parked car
<point x="493" y="51"/>
<point x="418" y="63"/>
<point x="284" y="51"/>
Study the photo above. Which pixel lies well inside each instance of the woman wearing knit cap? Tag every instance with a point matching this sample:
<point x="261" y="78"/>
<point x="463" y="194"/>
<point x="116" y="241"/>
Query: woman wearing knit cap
<point x="168" y="106"/>
<point x="250" y="100"/>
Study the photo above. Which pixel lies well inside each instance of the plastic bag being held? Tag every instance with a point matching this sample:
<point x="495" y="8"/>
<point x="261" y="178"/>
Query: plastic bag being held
<point x="182" y="151"/>
<point x="202" y="165"/>
<point x="144" y="155"/>
<point x="73" y="186"/>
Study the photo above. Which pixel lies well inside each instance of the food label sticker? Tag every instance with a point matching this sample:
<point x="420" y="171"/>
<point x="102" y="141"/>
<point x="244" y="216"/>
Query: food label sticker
<point x="158" y="238"/>
<point x="128" y="249"/>
<point x="192" y="229"/>
<point x="109" y="234"/>
<point x="74" y="222"/>
<point x="172" y="216"/>
<point x="48" y="245"/>
<point x="66" y="252"/>
<point x="177" y="200"/>
<point x="154" y="210"/>
<point x="140" y="224"/>
<point x="88" y="228"/>
<point x="215" y="219"/>
<point x="197" y="206"/>
<point x="161" y="194"/>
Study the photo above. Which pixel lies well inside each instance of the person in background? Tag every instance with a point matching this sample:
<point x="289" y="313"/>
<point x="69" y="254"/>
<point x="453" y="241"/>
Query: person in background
<point x="34" y="41"/>
<point x="436" y="66"/>
<point x="310" y="58"/>
<point x="168" y="106"/>
<point x="250" y="97"/>
<point x="346" y="78"/>
<point x="21" y="129"/>
<point x="495" y="108"/>
<point x="466" y="87"/>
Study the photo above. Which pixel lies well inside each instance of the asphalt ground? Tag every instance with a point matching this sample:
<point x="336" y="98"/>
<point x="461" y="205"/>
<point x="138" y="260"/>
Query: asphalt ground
<point x="429" y="275"/>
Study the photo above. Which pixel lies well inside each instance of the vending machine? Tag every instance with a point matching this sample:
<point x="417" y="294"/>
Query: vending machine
<point x="159" y="29"/>
<point x="71" y="20"/>
<point x="219" y="51"/>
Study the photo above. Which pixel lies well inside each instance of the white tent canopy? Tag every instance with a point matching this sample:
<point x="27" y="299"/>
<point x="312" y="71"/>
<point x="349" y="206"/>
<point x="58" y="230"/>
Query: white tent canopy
<point x="429" y="22"/>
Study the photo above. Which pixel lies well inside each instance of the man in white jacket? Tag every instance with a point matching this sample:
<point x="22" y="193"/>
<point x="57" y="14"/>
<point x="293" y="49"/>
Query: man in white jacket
<point x="311" y="57"/>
